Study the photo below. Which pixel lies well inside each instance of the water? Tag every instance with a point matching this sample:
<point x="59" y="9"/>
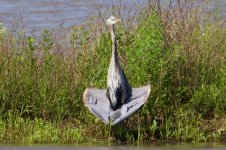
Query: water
<point x="143" y="147"/>
<point x="37" y="15"/>
<point x="40" y="14"/>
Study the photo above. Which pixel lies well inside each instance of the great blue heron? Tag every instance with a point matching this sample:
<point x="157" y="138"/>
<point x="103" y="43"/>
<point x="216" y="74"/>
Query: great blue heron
<point x="118" y="88"/>
<point x="119" y="101"/>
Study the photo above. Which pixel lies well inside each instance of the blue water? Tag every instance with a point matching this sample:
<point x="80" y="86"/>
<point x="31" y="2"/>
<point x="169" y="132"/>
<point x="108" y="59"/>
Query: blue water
<point x="118" y="147"/>
<point x="35" y="15"/>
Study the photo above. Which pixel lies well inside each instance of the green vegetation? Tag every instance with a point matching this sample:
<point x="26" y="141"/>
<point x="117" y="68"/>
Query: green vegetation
<point x="179" y="51"/>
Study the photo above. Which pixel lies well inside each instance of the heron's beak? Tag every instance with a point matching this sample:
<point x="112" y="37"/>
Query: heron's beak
<point x="117" y="20"/>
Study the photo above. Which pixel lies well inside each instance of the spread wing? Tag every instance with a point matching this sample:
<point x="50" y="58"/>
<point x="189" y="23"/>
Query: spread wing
<point x="98" y="104"/>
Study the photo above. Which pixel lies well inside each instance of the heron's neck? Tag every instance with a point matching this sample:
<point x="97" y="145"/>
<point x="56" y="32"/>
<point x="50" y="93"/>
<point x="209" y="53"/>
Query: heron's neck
<point x="114" y="45"/>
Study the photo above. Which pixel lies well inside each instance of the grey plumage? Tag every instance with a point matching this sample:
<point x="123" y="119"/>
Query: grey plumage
<point x="119" y="101"/>
<point x="118" y="88"/>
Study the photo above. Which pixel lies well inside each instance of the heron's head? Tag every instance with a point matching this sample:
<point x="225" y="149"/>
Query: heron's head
<point x="112" y="20"/>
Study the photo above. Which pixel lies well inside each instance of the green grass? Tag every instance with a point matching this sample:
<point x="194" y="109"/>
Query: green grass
<point x="184" y="61"/>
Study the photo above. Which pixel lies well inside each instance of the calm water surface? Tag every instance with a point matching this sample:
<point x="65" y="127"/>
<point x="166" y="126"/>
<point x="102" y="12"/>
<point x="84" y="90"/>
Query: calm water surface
<point x="143" y="147"/>
<point x="39" y="14"/>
